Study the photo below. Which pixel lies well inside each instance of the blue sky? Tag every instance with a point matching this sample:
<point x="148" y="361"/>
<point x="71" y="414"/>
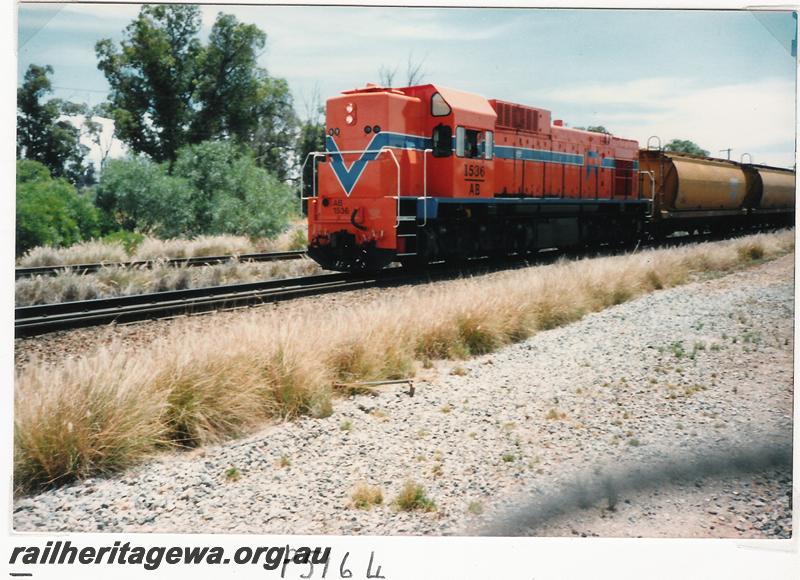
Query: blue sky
<point x="721" y="78"/>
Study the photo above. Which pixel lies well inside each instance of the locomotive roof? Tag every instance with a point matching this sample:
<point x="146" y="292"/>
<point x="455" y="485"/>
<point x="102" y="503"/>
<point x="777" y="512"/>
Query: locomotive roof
<point x="468" y="108"/>
<point x="467" y="102"/>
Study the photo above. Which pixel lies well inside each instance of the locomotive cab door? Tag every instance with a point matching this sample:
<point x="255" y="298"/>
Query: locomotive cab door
<point x="462" y="145"/>
<point x="473" y="174"/>
<point x="442" y="141"/>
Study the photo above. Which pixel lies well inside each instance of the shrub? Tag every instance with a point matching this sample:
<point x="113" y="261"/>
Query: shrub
<point x="50" y="211"/>
<point x="129" y="240"/>
<point x="231" y="194"/>
<point x="138" y="194"/>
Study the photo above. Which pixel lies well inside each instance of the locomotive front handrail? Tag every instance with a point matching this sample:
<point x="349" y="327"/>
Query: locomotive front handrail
<point x="303" y="196"/>
<point x="316" y="154"/>
<point x="425" y="186"/>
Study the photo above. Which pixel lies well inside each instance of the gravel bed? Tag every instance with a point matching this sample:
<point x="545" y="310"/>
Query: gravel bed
<point x="705" y="366"/>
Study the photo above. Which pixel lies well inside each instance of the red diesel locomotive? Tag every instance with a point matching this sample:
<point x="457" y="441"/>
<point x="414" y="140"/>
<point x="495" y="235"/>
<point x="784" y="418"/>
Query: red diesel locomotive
<point x="428" y="173"/>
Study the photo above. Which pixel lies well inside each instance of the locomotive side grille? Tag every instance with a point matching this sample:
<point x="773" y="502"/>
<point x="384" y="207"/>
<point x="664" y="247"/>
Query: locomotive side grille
<point x="517" y="117"/>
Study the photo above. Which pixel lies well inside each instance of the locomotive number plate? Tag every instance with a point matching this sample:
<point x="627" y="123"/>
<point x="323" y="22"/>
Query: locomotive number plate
<point x="475" y="171"/>
<point x="474" y="174"/>
<point x="339" y="208"/>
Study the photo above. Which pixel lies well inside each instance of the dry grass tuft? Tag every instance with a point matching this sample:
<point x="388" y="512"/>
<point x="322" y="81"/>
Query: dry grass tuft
<point x="751" y="250"/>
<point x="153" y="248"/>
<point x="91" y="416"/>
<point x="475" y="507"/>
<point x="365" y="496"/>
<point x="367" y="351"/>
<point x="207" y="402"/>
<point x="112" y="281"/>
<point x="412" y="497"/>
<point x="101" y="251"/>
<point x="92" y="252"/>
<point x="211" y="381"/>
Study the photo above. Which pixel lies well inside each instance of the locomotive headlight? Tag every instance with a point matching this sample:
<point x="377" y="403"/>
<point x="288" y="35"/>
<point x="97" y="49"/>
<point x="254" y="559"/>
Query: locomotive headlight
<point x="349" y="108"/>
<point x="349" y="119"/>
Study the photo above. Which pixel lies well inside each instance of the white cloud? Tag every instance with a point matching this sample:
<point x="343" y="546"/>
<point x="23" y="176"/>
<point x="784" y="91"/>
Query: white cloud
<point x="634" y="92"/>
<point x="62" y="54"/>
<point x="745" y="116"/>
<point x="78" y="17"/>
<point x="327" y="28"/>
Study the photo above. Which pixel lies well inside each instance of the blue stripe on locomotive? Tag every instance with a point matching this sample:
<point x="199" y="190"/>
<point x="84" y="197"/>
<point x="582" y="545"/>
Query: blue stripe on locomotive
<point x="429" y="207"/>
<point x="348" y="177"/>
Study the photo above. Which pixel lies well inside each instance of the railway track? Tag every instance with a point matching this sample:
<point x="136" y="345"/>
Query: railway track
<point x="45" y="318"/>
<point x="174" y="262"/>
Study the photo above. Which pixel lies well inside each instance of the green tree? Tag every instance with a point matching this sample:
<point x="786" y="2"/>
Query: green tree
<point x="50" y="211"/>
<point x="168" y="90"/>
<point x="43" y="134"/>
<point x="137" y="194"/>
<point x="230" y="193"/>
<point x="685" y="146"/>
<point x="152" y="78"/>
<point x="276" y="131"/>
<point x="595" y="129"/>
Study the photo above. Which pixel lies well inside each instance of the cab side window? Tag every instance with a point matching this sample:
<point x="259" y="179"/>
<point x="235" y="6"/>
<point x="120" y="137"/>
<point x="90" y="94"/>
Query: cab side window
<point x="467" y="143"/>
<point x="442" y="141"/>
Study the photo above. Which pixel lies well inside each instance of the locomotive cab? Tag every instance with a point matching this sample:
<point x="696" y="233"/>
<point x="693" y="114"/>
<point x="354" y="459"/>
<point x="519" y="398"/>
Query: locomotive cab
<point x="462" y="136"/>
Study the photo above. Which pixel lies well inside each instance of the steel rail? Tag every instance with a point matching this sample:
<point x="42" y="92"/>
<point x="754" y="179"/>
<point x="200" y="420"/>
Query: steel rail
<point x="26" y="272"/>
<point x="44" y="318"/>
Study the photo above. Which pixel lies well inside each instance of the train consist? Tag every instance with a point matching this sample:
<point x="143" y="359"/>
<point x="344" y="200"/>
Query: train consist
<point x="427" y="173"/>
